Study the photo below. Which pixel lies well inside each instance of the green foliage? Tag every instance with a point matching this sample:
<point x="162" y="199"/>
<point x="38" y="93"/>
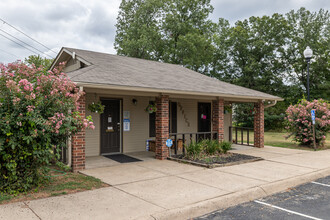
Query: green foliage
<point x="299" y="121"/>
<point x="5" y="197"/>
<point x="96" y="107"/>
<point x="273" y="117"/>
<point x="38" y="61"/>
<point x="174" y="31"/>
<point x="151" y="108"/>
<point x="62" y="166"/>
<point x="206" y="147"/>
<point x="243" y="115"/>
<point x="38" y="111"/>
<point x="225" y="146"/>
<point x="194" y="150"/>
<point x="309" y="29"/>
<point x="262" y="53"/>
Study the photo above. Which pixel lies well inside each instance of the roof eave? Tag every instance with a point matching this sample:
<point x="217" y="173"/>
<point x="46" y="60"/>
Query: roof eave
<point x="165" y="91"/>
<point x="63" y="49"/>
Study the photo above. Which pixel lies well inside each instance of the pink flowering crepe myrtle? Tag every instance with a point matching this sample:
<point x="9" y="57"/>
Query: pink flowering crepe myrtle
<point x="36" y="89"/>
<point x="299" y="121"/>
<point x="39" y="110"/>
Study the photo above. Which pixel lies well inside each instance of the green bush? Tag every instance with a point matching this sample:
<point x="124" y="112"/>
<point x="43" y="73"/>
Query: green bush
<point x="38" y="111"/>
<point x="206" y="148"/>
<point x="299" y="121"/>
<point x="194" y="150"/>
<point x="211" y="147"/>
<point x="225" y="146"/>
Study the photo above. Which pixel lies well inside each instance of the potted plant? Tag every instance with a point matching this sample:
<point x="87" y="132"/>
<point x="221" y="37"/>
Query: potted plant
<point x="227" y="109"/>
<point x="96" y="107"/>
<point x="151" y="108"/>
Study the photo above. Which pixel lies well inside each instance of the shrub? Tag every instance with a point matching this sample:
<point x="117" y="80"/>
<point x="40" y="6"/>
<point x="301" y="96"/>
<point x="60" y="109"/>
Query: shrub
<point x="38" y="111"/>
<point x="225" y="146"/>
<point x="206" y="148"/>
<point x="299" y="121"/>
<point x="211" y="147"/>
<point x="194" y="150"/>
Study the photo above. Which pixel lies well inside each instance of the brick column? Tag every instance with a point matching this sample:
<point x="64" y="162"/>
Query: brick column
<point x="162" y="129"/>
<point x="218" y="118"/>
<point x="78" y="141"/>
<point x="259" y="124"/>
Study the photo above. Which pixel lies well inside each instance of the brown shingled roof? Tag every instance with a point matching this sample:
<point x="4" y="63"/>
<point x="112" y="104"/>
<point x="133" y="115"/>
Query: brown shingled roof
<point x="108" y="69"/>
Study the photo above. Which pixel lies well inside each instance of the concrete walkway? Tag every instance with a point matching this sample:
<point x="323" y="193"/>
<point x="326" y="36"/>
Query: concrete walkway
<point x="155" y="189"/>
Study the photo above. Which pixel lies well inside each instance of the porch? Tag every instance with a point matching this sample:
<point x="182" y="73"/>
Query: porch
<point x="186" y="101"/>
<point x="126" y="128"/>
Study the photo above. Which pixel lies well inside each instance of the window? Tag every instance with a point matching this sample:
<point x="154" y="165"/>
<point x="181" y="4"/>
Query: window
<point x="173" y="117"/>
<point x="152" y="123"/>
<point x="204" y="117"/>
<point x="172" y="120"/>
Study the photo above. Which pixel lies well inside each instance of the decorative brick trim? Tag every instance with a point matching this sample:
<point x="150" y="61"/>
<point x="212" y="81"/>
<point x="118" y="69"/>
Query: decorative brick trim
<point x="162" y="129"/>
<point x="78" y="141"/>
<point x="218" y="118"/>
<point x="259" y="124"/>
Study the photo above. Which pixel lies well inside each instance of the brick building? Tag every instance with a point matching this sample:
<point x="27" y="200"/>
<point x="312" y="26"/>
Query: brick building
<point x="188" y="103"/>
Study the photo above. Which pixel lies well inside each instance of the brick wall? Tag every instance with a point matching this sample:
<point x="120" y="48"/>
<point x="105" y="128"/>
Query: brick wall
<point x="218" y="118"/>
<point x="162" y="129"/>
<point x="259" y="124"/>
<point x="78" y="141"/>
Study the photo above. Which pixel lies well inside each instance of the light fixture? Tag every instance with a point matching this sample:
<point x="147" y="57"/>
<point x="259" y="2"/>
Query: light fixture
<point x="134" y="101"/>
<point x="308" y="53"/>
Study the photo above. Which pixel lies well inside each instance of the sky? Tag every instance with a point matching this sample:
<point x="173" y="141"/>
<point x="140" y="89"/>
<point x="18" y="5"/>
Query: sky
<point x="90" y="25"/>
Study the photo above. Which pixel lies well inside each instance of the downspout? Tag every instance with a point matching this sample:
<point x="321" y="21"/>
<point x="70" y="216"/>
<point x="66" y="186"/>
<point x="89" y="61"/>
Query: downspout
<point x="69" y="148"/>
<point x="271" y="104"/>
<point x="69" y="152"/>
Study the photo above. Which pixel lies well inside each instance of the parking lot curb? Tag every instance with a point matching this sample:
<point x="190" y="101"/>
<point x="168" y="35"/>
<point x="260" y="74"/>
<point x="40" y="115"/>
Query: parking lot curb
<point x="235" y="198"/>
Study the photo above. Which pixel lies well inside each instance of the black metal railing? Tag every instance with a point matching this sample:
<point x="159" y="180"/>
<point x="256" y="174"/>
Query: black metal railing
<point x="239" y="138"/>
<point x="181" y="139"/>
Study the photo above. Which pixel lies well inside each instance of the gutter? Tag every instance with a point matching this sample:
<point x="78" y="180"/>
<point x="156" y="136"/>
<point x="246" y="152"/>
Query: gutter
<point x="271" y="104"/>
<point x="143" y="89"/>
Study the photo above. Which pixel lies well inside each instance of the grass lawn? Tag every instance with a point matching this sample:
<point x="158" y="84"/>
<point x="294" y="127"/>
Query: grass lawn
<point x="59" y="184"/>
<point x="277" y="139"/>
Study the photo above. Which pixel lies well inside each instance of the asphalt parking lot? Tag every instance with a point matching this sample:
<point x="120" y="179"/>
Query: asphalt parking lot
<point x="308" y="201"/>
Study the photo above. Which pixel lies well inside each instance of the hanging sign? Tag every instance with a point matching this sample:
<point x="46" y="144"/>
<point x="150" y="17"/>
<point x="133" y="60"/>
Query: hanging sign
<point x="126" y="115"/>
<point x="127" y="124"/>
<point x="169" y="142"/>
<point x="313" y="122"/>
<point x="313" y="116"/>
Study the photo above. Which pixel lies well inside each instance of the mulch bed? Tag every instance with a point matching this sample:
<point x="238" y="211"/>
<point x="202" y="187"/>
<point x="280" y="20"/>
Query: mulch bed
<point x="228" y="159"/>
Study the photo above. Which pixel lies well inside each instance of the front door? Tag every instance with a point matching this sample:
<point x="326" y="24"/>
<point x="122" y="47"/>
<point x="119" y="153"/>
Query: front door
<point x="204" y="117"/>
<point x="111" y="127"/>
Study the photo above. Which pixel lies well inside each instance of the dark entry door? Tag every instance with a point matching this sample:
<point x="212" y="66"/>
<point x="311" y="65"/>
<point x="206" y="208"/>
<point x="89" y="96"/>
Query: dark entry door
<point x="110" y="127"/>
<point x="204" y="117"/>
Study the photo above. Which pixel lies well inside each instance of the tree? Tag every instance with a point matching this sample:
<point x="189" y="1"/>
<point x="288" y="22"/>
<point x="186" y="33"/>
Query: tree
<point x="262" y="53"/>
<point x="173" y="31"/>
<point x="38" y="61"/>
<point x="252" y="50"/>
<point x="38" y="111"/>
<point x="309" y="29"/>
<point x="138" y="30"/>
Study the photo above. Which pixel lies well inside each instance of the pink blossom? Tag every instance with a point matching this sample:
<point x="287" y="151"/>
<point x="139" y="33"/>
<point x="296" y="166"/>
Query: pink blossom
<point x="30" y="108"/>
